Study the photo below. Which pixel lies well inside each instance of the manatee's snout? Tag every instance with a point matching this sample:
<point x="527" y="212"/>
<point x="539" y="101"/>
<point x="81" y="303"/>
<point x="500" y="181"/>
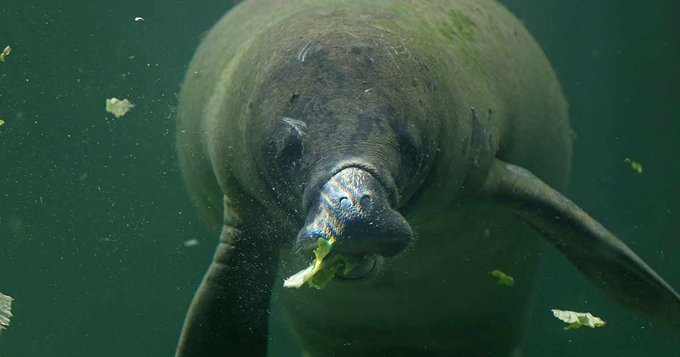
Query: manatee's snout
<point x="354" y="207"/>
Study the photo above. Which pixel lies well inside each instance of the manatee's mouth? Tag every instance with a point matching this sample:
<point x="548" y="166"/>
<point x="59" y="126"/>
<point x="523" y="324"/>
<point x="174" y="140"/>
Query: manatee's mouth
<point x="367" y="268"/>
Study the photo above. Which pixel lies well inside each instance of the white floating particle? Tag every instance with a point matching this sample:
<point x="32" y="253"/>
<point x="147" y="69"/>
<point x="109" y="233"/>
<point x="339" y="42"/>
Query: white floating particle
<point x="118" y="107"/>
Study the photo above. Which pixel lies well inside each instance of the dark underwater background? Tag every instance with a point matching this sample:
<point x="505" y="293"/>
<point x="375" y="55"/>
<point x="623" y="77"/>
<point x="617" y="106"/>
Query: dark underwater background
<point x="93" y="213"/>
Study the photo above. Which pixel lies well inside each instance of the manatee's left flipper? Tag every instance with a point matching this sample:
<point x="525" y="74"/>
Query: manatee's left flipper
<point x="229" y="315"/>
<point x="605" y="259"/>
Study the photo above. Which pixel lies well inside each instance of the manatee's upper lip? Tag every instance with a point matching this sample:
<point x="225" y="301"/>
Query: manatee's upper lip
<point x="385" y="180"/>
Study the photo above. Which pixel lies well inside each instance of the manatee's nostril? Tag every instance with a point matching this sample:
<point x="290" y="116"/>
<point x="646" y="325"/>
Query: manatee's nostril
<point x="345" y="202"/>
<point x="366" y="201"/>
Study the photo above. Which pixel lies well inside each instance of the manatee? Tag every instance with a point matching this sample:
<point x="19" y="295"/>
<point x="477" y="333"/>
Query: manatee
<point x="430" y="138"/>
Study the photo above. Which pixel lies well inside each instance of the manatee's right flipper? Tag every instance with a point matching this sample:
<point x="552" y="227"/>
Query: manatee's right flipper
<point x="229" y="315"/>
<point x="605" y="259"/>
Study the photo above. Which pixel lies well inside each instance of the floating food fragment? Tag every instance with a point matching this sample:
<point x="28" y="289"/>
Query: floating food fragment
<point x="299" y="278"/>
<point x="503" y="279"/>
<point x="192" y="243"/>
<point x="5" y="311"/>
<point x="2" y="122"/>
<point x="118" y="107"/>
<point x="323" y="247"/>
<point x="578" y="319"/>
<point x="321" y="271"/>
<point x="636" y="166"/>
<point x="5" y="53"/>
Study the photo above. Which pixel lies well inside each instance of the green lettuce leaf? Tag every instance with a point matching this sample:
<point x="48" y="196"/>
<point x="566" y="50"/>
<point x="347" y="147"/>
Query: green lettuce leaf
<point x="578" y="319"/>
<point x="323" y="269"/>
<point x="503" y="279"/>
<point x="5" y="311"/>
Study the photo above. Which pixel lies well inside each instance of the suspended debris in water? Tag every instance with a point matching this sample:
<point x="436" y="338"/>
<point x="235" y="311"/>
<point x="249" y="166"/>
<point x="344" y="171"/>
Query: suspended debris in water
<point x="503" y="279"/>
<point x="2" y="122"/>
<point x="5" y="311"/>
<point x="321" y="272"/>
<point x="5" y="53"/>
<point x="192" y="243"/>
<point x="118" y="107"/>
<point x="578" y="319"/>
<point x="636" y="166"/>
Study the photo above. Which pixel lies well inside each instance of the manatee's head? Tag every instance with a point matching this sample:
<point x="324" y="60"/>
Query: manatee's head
<point x="347" y="141"/>
<point x="342" y="178"/>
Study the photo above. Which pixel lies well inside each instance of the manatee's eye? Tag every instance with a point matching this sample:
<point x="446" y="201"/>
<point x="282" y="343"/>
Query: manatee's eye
<point x="289" y="152"/>
<point x="286" y="147"/>
<point x="411" y="157"/>
<point x="408" y="148"/>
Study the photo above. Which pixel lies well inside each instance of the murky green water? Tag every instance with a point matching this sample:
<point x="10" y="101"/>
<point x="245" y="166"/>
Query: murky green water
<point x="94" y="216"/>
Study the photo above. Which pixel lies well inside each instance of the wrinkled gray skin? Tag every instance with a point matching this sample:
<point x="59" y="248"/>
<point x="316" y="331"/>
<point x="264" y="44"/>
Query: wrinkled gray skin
<point x="430" y="137"/>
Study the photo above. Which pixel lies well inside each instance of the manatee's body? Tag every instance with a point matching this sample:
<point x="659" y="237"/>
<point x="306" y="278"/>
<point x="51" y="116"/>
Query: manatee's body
<point x="429" y="92"/>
